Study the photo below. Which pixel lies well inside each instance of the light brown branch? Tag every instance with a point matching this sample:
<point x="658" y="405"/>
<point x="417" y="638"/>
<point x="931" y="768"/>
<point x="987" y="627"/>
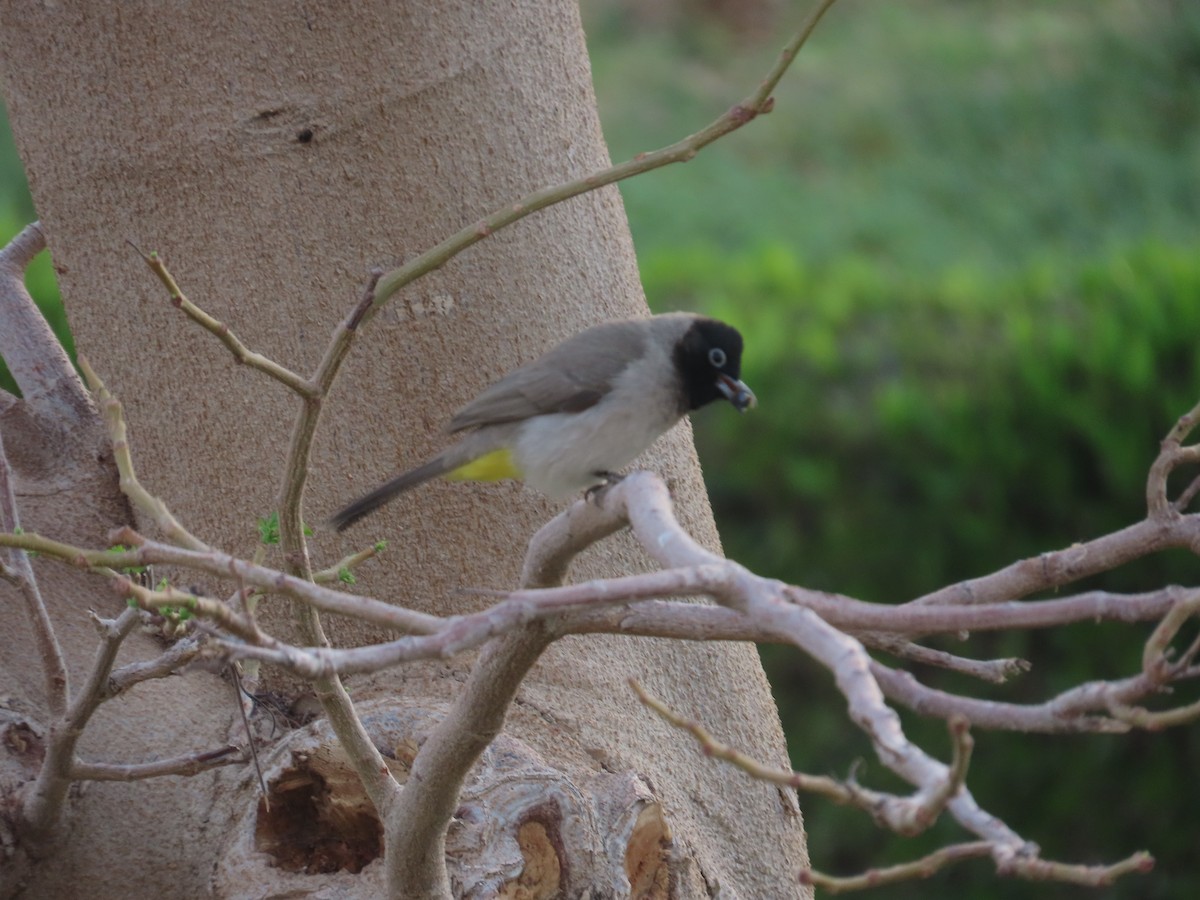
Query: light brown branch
<point x="1033" y="868"/>
<point x="1051" y="571"/>
<point x="43" y="803"/>
<point x="222" y="565"/>
<point x="904" y="815"/>
<point x="348" y="563"/>
<point x="169" y="662"/>
<point x="19" y="573"/>
<point x="996" y="671"/>
<point x="186" y="765"/>
<point x="756" y="103"/>
<point x="431" y="794"/>
<point x="37" y="360"/>
<point x="364" y="756"/>
<point x="1084" y="708"/>
<point x="1171" y="455"/>
<point x="925" y="867"/>
<point x="218" y="328"/>
<point x="143" y="500"/>
<point x="1029" y="868"/>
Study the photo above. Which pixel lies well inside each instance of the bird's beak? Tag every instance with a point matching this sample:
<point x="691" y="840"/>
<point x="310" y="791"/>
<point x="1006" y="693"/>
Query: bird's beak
<point x="736" y="392"/>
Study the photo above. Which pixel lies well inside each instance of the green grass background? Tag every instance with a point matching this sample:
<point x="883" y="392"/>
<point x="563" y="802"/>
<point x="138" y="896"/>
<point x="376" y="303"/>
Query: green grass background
<point x="965" y="253"/>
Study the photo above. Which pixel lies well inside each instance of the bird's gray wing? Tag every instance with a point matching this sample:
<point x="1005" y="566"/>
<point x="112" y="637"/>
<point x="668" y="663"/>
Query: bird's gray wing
<point x="572" y="377"/>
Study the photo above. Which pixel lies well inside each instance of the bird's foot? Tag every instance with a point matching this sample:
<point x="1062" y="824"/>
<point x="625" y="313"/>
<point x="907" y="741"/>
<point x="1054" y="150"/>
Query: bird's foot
<point x="593" y="493"/>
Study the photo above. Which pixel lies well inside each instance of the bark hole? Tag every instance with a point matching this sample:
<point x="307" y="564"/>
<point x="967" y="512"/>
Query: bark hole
<point x="318" y="822"/>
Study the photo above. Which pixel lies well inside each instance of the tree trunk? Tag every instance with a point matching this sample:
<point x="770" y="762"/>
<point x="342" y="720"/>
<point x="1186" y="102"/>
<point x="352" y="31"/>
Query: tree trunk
<point x="274" y="153"/>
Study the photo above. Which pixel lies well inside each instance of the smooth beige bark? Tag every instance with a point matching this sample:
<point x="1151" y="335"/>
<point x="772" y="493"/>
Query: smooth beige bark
<point x="274" y="152"/>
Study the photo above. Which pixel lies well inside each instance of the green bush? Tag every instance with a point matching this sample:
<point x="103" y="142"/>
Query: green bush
<point x="915" y="433"/>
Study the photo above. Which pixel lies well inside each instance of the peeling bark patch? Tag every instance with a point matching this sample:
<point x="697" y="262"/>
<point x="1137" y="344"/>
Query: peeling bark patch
<point x="647" y="855"/>
<point x="540" y="839"/>
<point x="318" y="823"/>
<point x="24" y="743"/>
<point x="541" y="879"/>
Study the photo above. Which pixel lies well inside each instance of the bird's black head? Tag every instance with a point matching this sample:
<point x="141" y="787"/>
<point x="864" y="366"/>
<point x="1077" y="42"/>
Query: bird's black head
<point x="709" y="359"/>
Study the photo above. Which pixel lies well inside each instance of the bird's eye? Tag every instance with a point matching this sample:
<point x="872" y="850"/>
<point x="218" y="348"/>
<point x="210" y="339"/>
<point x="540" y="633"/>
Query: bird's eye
<point x="716" y="356"/>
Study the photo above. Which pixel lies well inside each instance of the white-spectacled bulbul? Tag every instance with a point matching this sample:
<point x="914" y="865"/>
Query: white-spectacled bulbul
<point x="570" y="419"/>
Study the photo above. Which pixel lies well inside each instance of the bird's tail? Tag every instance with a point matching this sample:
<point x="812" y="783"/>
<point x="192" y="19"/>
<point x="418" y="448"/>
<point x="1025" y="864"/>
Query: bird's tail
<point x="368" y="503"/>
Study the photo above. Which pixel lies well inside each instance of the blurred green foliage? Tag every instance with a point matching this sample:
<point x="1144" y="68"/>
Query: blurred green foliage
<point x="963" y="250"/>
<point x="918" y="134"/>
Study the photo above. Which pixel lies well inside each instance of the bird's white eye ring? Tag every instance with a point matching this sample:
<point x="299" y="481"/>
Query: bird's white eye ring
<point x="716" y="356"/>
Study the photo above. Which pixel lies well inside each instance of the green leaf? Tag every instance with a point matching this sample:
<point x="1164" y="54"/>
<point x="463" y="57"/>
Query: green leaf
<point x="268" y="529"/>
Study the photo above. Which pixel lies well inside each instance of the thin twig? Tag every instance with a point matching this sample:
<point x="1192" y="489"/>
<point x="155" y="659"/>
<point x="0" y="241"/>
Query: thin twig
<point x="1033" y="868"/>
<point x="239" y="350"/>
<point x="1084" y="708"/>
<point x="1051" y="571"/>
<point x="1171" y="454"/>
<point x="168" y="663"/>
<point x="349" y="563"/>
<point x="904" y="815"/>
<point x="924" y="867"/>
<point x="185" y="765"/>
<point x="996" y="671"/>
<point x="238" y="691"/>
<point x="19" y="573"/>
<point x="143" y="500"/>
<point x="171" y="598"/>
<point x="146" y="552"/>
<point x="756" y="103"/>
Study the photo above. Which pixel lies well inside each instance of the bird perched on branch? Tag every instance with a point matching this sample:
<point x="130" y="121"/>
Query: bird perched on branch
<point x="571" y="418"/>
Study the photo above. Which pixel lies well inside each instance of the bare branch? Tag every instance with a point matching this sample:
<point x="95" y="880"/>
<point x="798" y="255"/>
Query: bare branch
<point x="43" y="804"/>
<point x="431" y="793"/>
<point x="1035" y="869"/>
<point x="1187" y="495"/>
<point x="904" y="815"/>
<point x="554" y="546"/>
<point x="143" y="500"/>
<point x="997" y="671"/>
<point x="239" y="350"/>
<point x="171" y="660"/>
<point x="1171" y="455"/>
<point x="273" y="581"/>
<point x="19" y="573"/>
<point x="1029" y="868"/>
<point x="112" y="634"/>
<point x="416" y="857"/>
<point x="924" y="867"/>
<point x="365" y="757"/>
<point x="34" y="355"/>
<point x="222" y="565"/>
<point x="1074" y="710"/>
<point x="334" y="699"/>
<point x="187" y="765"/>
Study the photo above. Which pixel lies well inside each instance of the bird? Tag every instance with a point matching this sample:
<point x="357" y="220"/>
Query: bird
<point x="570" y="419"/>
